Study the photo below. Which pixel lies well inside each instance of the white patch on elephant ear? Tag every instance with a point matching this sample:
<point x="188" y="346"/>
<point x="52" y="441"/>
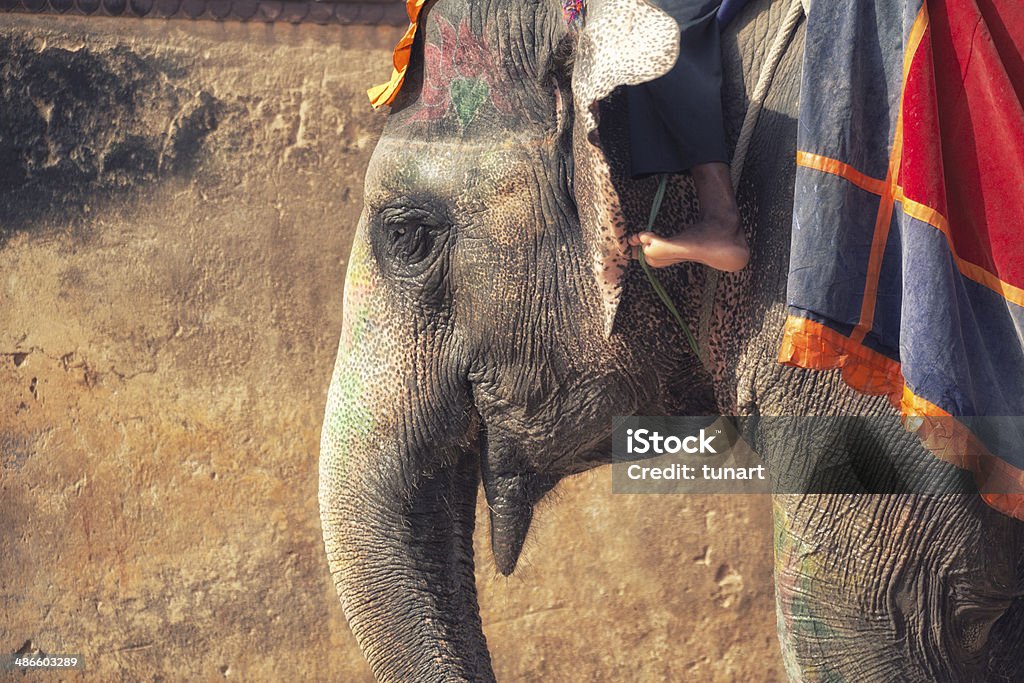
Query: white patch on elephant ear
<point x="624" y="42"/>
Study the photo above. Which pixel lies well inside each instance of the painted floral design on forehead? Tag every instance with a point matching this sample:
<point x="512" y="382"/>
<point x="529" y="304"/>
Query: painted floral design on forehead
<point x="460" y="75"/>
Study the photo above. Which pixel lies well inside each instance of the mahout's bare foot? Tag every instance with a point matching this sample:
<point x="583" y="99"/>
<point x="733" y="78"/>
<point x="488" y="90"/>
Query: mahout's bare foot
<point x="715" y="243"/>
<point x="716" y="240"/>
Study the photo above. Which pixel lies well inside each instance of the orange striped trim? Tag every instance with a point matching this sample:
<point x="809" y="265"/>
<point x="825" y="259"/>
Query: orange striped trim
<point x="1000" y="483"/>
<point x="838" y="168"/>
<point x="809" y="344"/>
<point x="945" y="437"/>
<point x="884" y="218"/>
<point x="978" y="274"/>
<point x="879" y="239"/>
<point x="385" y="92"/>
<point x="919" y="211"/>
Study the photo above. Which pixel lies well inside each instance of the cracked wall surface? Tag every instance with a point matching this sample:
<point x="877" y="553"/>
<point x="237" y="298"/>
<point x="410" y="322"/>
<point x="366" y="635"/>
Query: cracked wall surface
<point x="176" y="205"/>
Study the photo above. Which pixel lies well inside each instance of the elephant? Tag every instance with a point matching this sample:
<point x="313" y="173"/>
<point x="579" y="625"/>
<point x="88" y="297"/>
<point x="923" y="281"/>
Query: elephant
<point x="494" y="324"/>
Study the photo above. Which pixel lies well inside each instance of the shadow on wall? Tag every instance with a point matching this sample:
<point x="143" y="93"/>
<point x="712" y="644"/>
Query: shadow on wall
<point x="79" y="127"/>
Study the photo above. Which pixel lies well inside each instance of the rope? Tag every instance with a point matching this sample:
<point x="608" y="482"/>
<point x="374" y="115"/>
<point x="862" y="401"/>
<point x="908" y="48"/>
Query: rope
<point x="764" y="81"/>
<point x="757" y="100"/>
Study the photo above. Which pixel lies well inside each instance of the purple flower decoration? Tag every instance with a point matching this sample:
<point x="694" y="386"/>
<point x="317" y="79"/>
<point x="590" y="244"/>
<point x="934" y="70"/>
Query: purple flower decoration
<point x="573" y="11"/>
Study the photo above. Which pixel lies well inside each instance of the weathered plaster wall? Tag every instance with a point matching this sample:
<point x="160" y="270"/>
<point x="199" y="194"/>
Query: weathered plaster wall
<point x="176" y="203"/>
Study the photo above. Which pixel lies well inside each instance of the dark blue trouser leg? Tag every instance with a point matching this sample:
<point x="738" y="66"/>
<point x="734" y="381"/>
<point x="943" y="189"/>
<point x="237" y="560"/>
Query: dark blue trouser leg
<point x="675" y="122"/>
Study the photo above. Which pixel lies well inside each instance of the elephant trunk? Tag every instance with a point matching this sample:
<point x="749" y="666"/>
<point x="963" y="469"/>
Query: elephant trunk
<point x="401" y="554"/>
<point x="398" y="480"/>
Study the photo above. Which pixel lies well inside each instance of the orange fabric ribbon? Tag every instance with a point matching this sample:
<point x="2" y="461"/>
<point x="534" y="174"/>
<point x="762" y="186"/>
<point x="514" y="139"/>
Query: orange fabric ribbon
<point x="385" y="92"/>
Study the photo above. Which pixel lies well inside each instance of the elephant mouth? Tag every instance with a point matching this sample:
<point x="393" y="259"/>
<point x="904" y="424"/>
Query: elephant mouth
<point x="513" y="486"/>
<point x="524" y="453"/>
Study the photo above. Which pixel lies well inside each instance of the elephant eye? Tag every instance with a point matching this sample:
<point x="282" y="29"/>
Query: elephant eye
<point x="412" y="242"/>
<point x="410" y="236"/>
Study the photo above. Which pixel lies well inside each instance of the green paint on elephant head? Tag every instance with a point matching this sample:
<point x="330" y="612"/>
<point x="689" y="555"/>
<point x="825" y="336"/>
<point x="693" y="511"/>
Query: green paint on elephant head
<point x="359" y="288"/>
<point x="350" y="420"/>
<point x="468" y="94"/>
<point x="461" y="77"/>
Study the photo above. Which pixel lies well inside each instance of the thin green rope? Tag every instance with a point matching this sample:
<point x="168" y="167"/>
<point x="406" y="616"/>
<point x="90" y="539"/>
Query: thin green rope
<point x="656" y="285"/>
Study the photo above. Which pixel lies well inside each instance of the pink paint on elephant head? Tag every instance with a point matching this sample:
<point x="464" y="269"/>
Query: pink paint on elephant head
<point x="460" y="75"/>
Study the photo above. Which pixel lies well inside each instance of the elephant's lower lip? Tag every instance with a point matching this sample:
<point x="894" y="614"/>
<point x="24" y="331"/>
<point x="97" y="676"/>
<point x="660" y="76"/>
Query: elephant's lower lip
<point x="510" y="499"/>
<point x="508" y="533"/>
<point x="512" y="515"/>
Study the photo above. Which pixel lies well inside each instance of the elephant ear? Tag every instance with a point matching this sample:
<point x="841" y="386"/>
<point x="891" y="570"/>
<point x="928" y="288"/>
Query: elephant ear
<point x="623" y="42"/>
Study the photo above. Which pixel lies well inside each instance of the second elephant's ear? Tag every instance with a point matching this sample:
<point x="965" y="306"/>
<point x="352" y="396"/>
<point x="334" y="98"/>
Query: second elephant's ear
<point x="622" y="42"/>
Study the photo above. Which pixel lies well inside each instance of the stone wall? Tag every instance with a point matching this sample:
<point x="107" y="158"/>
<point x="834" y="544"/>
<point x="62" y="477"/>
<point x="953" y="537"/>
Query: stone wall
<point x="176" y="203"/>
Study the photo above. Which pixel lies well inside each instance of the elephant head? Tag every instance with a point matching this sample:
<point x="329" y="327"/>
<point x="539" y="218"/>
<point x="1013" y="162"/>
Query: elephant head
<point x="484" y="338"/>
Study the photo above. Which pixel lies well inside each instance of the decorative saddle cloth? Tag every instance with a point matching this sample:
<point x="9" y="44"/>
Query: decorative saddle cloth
<point x="907" y="265"/>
